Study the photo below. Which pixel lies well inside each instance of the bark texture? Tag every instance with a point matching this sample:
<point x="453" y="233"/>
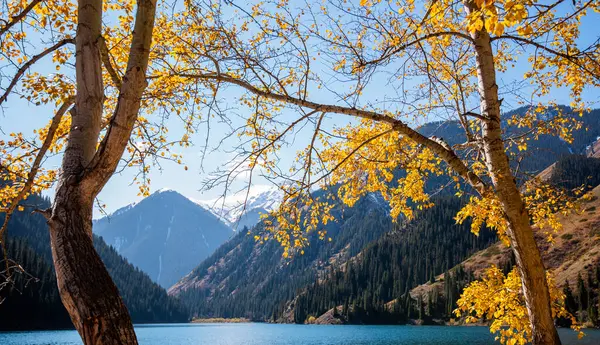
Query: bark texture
<point x="520" y="232"/>
<point x="86" y="289"/>
<point x="87" y="114"/>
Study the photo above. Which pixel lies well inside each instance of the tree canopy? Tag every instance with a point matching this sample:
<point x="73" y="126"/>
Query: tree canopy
<point x="353" y="79"/>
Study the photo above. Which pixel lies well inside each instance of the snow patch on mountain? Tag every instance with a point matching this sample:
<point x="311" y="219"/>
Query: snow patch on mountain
<point x="122" y="210"/>
<point x="231" y="207"/>
<point x="205" y="241"/>
<point x="164" y="190"/>
<point x="119" y="242"/>
<point x="159" y="267"/>
<point x="169" y="228"/>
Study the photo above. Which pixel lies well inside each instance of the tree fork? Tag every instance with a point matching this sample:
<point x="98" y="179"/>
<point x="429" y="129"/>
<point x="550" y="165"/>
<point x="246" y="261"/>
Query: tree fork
<point x="86" y="289"/>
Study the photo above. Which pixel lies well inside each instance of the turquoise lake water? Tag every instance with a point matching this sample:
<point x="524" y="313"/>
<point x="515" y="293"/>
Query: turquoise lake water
<point x="269" y="334"/>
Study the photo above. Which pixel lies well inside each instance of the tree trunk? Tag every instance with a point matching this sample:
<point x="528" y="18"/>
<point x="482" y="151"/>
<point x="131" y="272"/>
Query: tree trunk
<point x="527" y="254"/>
<point x="86" y="289"/>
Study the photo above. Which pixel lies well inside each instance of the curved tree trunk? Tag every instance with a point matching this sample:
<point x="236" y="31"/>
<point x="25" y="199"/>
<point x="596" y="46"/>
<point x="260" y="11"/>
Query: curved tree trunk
<point x="86" y="289"/>
<point x="520" y="232"/>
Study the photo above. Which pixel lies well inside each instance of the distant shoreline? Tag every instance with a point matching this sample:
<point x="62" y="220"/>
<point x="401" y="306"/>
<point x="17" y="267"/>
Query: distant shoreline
<point x="221" y="320"/>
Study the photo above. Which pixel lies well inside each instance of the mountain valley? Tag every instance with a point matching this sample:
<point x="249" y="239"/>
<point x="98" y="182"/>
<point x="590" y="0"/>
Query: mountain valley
<point x="239" y="281"/>
<point x="373" y="270"/>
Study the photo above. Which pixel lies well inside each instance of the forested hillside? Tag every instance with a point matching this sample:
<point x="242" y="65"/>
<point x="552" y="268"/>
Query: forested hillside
<point x="387" y="269"/>
<point x="246" y="279"/>
<point x="374" y="287"/>
<point x="33" y="302"/>
<point x="574" y="171"/>
<point x="573" y="258"/>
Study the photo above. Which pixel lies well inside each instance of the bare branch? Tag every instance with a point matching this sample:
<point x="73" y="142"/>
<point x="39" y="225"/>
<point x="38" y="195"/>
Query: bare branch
<point x="444" y="153"/>
<point x="416" y="41"/>
<point x="475" y="115"/>
<point x="576" y="59"/>
<point x="46" y="213"/>
<point x="105" y="55"/>
<point x="535" y="44"/>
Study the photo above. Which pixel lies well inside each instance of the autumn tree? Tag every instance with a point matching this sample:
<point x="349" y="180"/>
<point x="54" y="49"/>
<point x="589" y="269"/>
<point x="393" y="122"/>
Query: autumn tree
<point x="355" y="80"/>
<point x="99" y="53"/>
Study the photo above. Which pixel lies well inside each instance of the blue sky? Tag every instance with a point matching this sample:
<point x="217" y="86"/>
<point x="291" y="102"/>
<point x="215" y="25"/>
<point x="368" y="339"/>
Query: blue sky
<point x="19" y="116"/>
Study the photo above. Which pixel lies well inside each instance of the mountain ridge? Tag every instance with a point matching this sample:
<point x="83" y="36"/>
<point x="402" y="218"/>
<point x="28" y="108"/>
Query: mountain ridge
<point x="165" y="234"/>
<point x="244" y="269"/>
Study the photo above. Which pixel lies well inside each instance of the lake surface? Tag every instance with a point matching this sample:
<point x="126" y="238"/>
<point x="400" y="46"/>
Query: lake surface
<point x="273" y="334"/>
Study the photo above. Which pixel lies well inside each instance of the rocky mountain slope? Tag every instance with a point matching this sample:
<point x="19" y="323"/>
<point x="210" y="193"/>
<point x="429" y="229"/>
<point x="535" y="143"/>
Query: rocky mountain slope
<point x="594" y="149"/>
<point x="591" y="151"/>
<point x="576" y="248"/>
<point x="165" y="235"/>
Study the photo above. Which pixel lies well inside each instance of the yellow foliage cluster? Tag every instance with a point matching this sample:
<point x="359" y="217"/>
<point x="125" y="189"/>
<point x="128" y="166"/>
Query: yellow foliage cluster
<point x="495" y="16"/>
<point x="17" y="156"/>
<point x="499" y="299"/>
<point x="485" y="211"/>
<point x="56" y="19"/>
<point x="366" y="161"/>
<point x="545" y="205"/>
